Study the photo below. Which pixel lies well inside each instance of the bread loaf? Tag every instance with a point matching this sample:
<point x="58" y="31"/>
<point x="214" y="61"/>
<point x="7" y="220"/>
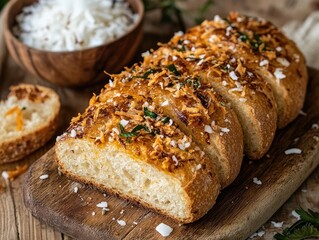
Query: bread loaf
<point x="171" y="132"/>
<point x="28" y="120"/>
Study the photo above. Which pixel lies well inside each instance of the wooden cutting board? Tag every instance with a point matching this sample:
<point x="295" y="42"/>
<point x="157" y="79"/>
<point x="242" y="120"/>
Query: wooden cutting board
<point x="240" y="209"/>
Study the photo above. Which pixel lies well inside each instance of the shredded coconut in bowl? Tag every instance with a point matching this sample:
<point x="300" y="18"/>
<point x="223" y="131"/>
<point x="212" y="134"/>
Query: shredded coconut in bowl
<point x="68" y="25"/>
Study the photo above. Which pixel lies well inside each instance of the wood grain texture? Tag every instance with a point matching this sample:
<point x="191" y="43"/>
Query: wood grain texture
<point x="74" y="68"/>
<point x="240" y="210"/>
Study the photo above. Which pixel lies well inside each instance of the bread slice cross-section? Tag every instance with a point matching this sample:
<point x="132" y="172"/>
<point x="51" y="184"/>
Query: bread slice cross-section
<point x="29" y="119"/>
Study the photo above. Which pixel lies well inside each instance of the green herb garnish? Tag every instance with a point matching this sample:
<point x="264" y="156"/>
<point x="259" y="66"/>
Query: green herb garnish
<point x="305" y="228"/>
<point x="173" y="69"/>
<point x="23" y="108"/>
<point x="135" y="131"/>
<point x="148" y="113"/>
<point x="244" y="37"/>
<point x="165" y="119"/>
<point x="145" y="75"/>
<point x="193" y="82"/>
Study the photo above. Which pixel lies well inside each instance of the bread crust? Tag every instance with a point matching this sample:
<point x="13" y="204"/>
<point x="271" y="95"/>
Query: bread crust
<point x="16" y="148"/>
<point x="265" y="49"/>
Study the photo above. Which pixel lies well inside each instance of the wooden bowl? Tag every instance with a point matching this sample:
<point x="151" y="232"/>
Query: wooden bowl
<point x="74" y="68"/>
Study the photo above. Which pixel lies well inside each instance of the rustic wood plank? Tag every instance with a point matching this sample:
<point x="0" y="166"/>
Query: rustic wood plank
<point x="8" y="221"/>
<point x="241" y="208"/>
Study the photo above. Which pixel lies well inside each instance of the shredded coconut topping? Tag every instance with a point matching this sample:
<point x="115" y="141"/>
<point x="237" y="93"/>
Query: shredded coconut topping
<point x="233" y="76"/>
<point x="283" y="61"/>
<point x="208" y="129"/>
<point x="264" y="63"/>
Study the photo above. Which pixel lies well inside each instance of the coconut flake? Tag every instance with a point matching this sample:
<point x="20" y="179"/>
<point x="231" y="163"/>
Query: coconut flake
<point x="175" y="160"/>
<point x="257" y="181"/>
<point x="233" y="76"/>
<point x="302" y="113"/>
<point x="279" y="74"/>
<point x="293" y="151"/>
<point x="277" y="224"/>
<point x="102" y="204"/>
<point x="225" y="130"/>
<point x="278" y="49"/>
<point x="73" y="133"/>
<point x="124" y="122"/>
<point x="164" y="229"/>
<point x="208" y="129"/>
<point x="283" y="61"/>
<point x="44" y="176"/>
<point x="75" y="189"/>
<point x="295" y="214"/>
<point x="315" y="126"/>
<point x="198" y="166"/>
<point x="165" y="103"/>
<point x="5" y="175"/>
<point x="145" y="54"/>
<point x="264" y="63"/>
<point x="121" y="222"/>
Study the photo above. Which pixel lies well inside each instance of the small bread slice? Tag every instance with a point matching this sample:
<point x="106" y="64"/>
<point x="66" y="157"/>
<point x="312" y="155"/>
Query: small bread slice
<point x="268" y="52"/>
<point x="29" y="119"/>
<point x="124" y="147"/>
<point x="249" y="95"/>
<point x="196" y="109"/>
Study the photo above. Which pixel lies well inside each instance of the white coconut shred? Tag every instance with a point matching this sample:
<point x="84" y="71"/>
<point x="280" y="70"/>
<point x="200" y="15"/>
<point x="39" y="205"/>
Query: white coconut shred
<point x="60" y="25"/>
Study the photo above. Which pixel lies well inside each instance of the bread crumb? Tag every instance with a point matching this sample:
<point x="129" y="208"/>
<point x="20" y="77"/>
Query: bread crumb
<point x="164" y="229"/>
<point x="44" y="176"/>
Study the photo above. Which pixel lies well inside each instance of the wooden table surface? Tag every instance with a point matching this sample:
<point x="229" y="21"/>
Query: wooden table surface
<point x="17" y="223"/>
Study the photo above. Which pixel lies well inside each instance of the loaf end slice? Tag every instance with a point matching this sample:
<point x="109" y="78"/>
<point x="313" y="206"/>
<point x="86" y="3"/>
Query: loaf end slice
<point x="140" y="165"/>
<point x="29" y="120"/>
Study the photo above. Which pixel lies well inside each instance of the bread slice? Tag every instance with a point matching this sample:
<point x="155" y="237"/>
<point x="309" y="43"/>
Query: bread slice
<point x="29" y="120"/>
<point x="268" y="52"/>
<point x="103" y="147"/>
<point x="196" y="109"/>
<point x="250" y="97"/>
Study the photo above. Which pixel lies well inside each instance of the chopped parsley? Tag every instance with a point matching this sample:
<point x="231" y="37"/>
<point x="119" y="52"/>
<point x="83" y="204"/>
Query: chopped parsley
<point x="135" y="131"/>
<point x="148" y="113"/>
<point x="173" y="69"/>
<point x="193" y="82"/>
<point x="165" y="119"/>
<point x="23" y="108"/>
<point x="145" y="75"/>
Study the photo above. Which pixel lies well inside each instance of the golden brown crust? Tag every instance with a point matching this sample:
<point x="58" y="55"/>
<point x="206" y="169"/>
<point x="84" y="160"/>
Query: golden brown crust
<point x="268" y="52"/>
<point x="14" y="149"/>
